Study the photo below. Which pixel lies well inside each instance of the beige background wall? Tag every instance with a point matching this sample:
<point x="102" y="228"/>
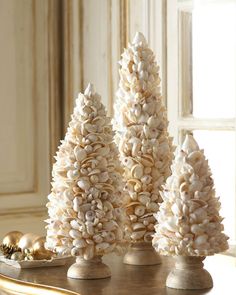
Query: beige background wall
<point x="50" y="50"/>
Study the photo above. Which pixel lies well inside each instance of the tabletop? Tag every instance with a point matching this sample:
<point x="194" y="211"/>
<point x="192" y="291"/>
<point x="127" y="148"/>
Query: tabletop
<point x="126" y="279"/>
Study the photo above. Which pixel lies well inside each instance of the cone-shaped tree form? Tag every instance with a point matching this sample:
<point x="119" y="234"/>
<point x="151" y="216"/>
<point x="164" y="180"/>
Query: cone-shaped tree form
<point x="145" y="147"/>
<point x="85" y="218"/>
<point x="189" y="223"/>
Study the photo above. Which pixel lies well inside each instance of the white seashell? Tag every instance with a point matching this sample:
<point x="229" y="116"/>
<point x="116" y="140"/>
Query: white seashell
<point x="84" y="184"/>
<point x="176" y="209"/>
<point x="75" y="234"/>
<point x="80" y="154"/>
<point x="75" y="225"/>
<point x="170" y="224"/>
<point x="137" y="235"/>
<point x="79" y="243"/>
<point x="139" y="210"/>
<point x="76" y="203"/>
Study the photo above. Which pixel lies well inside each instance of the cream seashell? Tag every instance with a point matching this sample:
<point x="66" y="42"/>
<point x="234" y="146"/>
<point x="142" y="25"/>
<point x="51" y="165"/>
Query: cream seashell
<point x="137" y="171"/>
<point x="152" y="206"/>
<point x="148" y="237"/>
<point x="76" y="203"/>
<point x="85" y="207"/>
<point x="196" y="229"/>
<point x="139" y="210"/>
<point x="138" y="226"/>
<point x="110" y="225"/>
<point x="98" y="238"/>
<point x="102" y="246"/>
<point x="88" y="252"/>
<point x="137" y="235"/>
<point x="144" y="199"/>
<point x="90" y="215"/>
<point x="147" y="161"/>
<point x="110" y="237"/>
<point x="90" y="228"/>
<point x="202" y="239"/>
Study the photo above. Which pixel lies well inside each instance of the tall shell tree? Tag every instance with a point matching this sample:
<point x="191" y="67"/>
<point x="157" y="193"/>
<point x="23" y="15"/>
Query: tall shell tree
<point x="144" y="144"/>
<point x="189" y="223"/>
<point x="85" y="215"/>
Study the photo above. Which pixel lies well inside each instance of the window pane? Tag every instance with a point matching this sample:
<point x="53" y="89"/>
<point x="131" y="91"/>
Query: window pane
<point x="214" y="59"/>
<point x="219" y="149"/>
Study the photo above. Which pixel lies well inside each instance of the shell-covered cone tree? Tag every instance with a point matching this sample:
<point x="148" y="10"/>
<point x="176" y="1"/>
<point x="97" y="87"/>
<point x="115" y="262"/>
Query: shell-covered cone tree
<point x="188" y="221"/>
<point x="146" y="150"/>
<point x="85" y="214"/>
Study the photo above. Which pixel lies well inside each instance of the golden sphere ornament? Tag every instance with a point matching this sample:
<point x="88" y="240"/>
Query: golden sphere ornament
<point x="39" y="250"/>
<point x="12" y="238"/>
<point x="27" y="241"/>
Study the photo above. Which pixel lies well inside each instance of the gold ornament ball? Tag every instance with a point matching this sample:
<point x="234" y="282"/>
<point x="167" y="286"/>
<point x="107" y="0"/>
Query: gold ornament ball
<point x="12" y="238"/>
<point x="39" y="250"/>
<point x="27" y="241"/>
<point x="17" y="256"/>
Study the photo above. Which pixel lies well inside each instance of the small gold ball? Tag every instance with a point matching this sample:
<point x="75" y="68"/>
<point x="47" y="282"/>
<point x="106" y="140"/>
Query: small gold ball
<point x="12" y="238"/>
<point x="17" y="256"/>
<point x="39" y="249"/>
<point x="27" y="240"/>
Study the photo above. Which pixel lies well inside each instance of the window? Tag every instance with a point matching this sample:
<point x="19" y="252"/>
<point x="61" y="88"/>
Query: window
<point x="202" y="88"/>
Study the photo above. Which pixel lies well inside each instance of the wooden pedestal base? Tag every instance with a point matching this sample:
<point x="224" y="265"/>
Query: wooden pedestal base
<point x="189" y="274"/>
<point x="89" y="269"/>
<point x="142" y="254"/>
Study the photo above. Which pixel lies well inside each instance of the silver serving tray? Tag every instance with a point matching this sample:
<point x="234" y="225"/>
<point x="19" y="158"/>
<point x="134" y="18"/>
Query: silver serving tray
<point x="55" y="261"/>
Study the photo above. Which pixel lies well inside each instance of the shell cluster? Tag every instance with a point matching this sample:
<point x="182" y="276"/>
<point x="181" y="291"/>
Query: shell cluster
<point x="189" y="223"/>
<point x="85" y="204"/>
<point x="144" y="144"/>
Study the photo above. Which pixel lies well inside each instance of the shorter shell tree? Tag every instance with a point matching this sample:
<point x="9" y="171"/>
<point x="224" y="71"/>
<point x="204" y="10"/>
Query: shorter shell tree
<point x="85" y="215"/>
<point x="189" y="224"/>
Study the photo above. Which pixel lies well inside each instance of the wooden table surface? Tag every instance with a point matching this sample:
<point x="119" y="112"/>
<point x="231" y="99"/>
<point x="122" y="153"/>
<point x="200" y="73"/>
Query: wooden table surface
<point x="126" y="279"/>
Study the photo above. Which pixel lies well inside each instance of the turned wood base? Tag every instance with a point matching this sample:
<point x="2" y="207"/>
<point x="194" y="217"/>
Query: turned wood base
<point x="189" y="274"/>
<point x="142" y="254"/>
<point x="89" y="269"/>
